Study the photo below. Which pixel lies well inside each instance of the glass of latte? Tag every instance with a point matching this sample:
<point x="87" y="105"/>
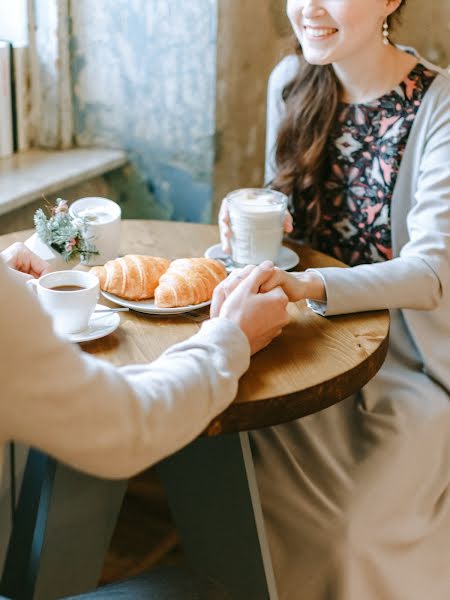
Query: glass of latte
<point x="256" y="222"/>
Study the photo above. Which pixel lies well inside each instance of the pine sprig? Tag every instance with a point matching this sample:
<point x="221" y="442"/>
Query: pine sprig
<point x="66" y="234"/>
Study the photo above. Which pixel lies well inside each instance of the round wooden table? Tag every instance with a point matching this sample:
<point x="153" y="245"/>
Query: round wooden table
<point x="313" y="364"/>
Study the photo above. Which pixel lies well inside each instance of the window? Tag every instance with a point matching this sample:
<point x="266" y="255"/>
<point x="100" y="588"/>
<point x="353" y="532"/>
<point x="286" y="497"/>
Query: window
<point x="14" y="22"/>
<point x="38" y="30"/>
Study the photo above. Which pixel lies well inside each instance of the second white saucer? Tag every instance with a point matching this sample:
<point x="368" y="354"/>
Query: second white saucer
<point x="286" y="259"/>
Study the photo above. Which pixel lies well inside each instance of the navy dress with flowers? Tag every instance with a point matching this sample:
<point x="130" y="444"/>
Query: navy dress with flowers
<point x="366" y="149"/>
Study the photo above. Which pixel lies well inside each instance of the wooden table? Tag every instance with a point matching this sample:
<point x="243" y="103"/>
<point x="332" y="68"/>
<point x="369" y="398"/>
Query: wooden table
<point x="211" y="484"/>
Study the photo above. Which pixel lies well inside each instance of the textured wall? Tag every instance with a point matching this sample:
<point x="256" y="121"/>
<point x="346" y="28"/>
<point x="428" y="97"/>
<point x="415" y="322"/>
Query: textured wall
<point x="144" y="80"/>
<point x="252" y="38"/>
<point x="426" y="26"/>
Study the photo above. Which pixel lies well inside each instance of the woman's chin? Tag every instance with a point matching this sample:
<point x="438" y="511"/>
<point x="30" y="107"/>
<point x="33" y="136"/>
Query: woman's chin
<point x="314" y="58"/>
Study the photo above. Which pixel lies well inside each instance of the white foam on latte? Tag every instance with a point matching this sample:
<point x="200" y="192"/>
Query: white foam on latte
<point x="96" y="214"/>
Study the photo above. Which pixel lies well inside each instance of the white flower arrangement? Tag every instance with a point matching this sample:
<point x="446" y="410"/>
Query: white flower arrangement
<point x="66" y="234"/>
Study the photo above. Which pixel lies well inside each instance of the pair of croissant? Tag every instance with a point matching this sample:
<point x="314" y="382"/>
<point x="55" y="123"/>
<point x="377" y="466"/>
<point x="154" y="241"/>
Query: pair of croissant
<point x="181" y="282"/>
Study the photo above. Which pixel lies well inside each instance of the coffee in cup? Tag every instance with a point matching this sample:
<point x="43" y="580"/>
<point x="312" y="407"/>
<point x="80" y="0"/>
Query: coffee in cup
<point x="256" y="222"/>
<point x="69" y="297"/>
<point x="67" y="288"/>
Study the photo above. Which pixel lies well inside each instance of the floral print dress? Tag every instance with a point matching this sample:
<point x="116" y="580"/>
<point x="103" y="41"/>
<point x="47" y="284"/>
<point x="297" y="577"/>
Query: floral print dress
<point x="366" y="149"/>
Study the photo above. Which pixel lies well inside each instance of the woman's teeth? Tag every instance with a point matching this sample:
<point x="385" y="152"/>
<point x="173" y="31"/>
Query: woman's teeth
<point x="317" y="33"/>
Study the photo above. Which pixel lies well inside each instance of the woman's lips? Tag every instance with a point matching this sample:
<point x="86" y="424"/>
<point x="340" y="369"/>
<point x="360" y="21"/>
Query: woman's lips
<point x="319" y="33"/>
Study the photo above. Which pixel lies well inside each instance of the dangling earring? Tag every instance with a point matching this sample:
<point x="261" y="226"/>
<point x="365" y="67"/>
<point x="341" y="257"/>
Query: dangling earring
<point x="386" y="33"/>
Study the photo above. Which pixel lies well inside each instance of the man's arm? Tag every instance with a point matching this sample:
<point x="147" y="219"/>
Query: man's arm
<point x="114" y="422"/>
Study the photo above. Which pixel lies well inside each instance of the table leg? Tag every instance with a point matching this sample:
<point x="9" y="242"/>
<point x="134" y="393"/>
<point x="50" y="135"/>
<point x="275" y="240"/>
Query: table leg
<point x="212" y="491"/>
<point x="63" y="526"/>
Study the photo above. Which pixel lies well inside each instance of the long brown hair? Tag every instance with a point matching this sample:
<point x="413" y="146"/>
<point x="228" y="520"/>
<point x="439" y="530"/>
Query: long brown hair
<point x="301" y="156"/>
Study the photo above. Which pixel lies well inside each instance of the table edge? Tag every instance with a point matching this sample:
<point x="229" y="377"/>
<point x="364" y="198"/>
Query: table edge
<point x="302" y="403"/>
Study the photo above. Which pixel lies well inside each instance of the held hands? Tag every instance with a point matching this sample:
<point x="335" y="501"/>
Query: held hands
<point x="20" y="258"/>
<point x="261" y="317"/>
<point x="256" y="298"/>
<point x="225" y="231"/>
<point x="297" y="286"/>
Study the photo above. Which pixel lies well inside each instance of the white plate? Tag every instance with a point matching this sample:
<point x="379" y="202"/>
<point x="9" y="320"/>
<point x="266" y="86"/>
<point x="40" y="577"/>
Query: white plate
<point x="287" y="258"/>
<point x="148" y="306"/>
<point x="100" y="324"/>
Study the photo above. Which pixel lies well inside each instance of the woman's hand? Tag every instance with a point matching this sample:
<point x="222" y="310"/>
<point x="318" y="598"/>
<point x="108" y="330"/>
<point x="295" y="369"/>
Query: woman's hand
<point x="296" y="286"/>
<point x="225" y="231"/>
<point x="20" y="258"/>
<point x="228" y="285"/>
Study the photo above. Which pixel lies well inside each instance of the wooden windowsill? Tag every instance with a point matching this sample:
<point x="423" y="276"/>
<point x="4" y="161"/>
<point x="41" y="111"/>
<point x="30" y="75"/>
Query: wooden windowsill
<point x="26" y="176"/>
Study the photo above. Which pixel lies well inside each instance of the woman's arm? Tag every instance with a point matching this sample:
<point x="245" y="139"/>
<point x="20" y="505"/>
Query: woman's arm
<point x="419" y="277"/>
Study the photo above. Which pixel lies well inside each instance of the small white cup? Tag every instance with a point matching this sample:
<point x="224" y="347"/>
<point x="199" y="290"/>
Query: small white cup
<point x="103" y="229"/>
<point x="70" y="310"/>
<point x="256" y="222"/>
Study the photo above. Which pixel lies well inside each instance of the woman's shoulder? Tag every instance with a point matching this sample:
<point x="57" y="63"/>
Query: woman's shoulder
<point x="441" y="85"/>
<point x="442" y="74"/>
<point x="283" y="73"/>
<point x="437" y="99"/>
<point x="440" y="88"/>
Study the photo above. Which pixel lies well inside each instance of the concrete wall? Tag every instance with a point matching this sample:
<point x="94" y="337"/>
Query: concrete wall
<point x="144" y="80"/>
<point x="252" y="36"/>
<point x="426" y="26"/>
<point x="182" y="88"/>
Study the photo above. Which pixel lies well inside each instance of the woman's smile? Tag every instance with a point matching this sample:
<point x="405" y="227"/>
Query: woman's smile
<point x="318" y="33"/>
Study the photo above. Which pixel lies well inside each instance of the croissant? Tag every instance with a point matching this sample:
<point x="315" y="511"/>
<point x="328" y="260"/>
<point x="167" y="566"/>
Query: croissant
<point x="188" y="281"/>
<point x="132" y="277"/>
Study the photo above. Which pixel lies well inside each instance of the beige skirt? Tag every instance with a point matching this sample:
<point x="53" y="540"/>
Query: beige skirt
<point x="356" y="498"/>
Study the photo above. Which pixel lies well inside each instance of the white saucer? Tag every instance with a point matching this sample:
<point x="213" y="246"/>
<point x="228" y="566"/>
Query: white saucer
<point x="149" y="307"/>
<point x="100" y="324"/>
<point x="287" y="258"/>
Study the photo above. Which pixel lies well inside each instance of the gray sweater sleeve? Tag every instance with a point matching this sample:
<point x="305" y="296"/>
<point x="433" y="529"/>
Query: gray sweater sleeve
<point x="419" y="276"/>
<point x="283" y="73"/>
<point x="107" y="421"/>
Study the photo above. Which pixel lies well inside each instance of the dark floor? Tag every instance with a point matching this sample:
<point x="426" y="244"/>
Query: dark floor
<point x="145" y="535"/>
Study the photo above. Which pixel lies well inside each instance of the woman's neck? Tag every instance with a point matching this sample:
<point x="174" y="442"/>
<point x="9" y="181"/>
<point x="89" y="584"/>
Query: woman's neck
<point x="375" y="71"/>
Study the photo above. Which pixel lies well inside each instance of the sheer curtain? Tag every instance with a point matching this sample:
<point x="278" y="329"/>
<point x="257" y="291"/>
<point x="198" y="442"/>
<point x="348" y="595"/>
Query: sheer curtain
<point x="43" y="26"/>
<point x="51" y="90"/>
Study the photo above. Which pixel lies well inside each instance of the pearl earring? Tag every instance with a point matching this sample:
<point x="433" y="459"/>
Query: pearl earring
<point x="386" y="33"/>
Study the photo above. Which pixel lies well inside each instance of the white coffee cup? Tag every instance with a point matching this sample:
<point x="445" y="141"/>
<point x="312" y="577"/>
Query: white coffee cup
<point x="103" y="230"/>
<point x="256" y="222"/>
<point x="69" y="297"/>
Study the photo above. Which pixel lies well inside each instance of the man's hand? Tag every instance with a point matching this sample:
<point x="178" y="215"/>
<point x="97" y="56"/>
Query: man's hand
<point x="261" y="317"/>
<point x="20" y="258"/>
<point x="226" y="287"/>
